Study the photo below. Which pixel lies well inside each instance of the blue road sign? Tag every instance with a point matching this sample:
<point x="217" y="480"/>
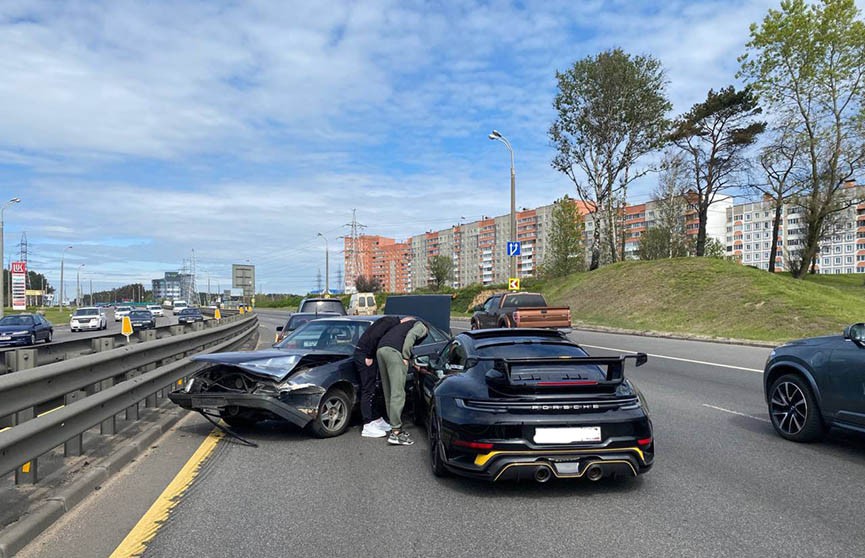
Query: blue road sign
<point x="514" y="248"/>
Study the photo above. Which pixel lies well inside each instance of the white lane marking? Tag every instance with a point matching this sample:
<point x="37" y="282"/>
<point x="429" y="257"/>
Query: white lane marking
<point x="723" y="410"/>
<point x="680" y="359"/>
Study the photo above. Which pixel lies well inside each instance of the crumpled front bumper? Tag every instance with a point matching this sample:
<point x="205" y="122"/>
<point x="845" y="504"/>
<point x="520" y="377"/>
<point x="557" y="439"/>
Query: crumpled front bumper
<point x="299" y="415"/>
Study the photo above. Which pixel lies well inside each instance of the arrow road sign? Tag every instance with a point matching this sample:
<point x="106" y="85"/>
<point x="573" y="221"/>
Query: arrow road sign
<point x="514" y="283"/>
<point x="514" y="248"/>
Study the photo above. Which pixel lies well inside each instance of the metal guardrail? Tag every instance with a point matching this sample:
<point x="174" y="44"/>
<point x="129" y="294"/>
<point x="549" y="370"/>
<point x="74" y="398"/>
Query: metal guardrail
<point x="96" y="388"/>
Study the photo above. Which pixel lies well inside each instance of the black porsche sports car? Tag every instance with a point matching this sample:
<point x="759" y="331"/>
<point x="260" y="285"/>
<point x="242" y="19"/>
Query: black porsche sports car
<point x="812" y="384"/>
<point x="308" y="379"/>
<point x="529" y="403"/>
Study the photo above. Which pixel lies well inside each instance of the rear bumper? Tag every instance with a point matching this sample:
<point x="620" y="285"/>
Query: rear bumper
<point x="566" y="463"/>
<point x="85" y="327"/>
<point x="264" y="403"/>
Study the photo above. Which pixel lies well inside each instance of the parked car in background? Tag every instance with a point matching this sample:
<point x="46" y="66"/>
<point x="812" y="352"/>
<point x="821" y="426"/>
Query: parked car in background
<point x="519" y="310"/>
<point x="88" y="318"/>
<point x="530" y="404"/>
<point x="813" y="384"/>
<point x="189" y="316"/>
<point x="362" y="304"/>
<point x="142" y="319"/>
<point x="321" y="305"/>
<point x="25" y="329"/>
<point x="156" y="310"/>
<point x="296" y="320"/>
<point x="121" y="311"/>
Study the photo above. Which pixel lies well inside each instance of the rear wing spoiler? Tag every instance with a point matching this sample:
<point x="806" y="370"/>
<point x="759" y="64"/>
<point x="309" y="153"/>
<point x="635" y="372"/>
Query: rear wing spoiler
<point x="615" y="366"/>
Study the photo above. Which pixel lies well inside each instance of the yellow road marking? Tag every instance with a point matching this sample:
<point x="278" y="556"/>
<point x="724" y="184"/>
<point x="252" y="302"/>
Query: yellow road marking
<point x="136" y="541"/>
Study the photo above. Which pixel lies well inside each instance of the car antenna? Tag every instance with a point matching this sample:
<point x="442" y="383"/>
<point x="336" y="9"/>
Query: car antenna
<point x="228" y="431"/>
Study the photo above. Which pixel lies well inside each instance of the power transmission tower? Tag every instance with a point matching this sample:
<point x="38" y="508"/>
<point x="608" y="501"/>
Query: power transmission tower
<point x="23" y="250"/>
<point x="339" y="276"/>
<point x="193" y="291"/>
<point x="318" y="280"/>
<point x="354" y="263"/>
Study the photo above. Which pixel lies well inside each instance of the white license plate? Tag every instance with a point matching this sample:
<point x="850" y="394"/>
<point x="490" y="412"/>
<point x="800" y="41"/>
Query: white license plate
<point x="567" y="435"/>
<point x="5" y="338"/>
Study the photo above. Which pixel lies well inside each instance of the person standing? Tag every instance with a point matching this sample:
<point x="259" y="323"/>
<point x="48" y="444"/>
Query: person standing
<point x="374" y="424"/>
<point x="393" y="353"/>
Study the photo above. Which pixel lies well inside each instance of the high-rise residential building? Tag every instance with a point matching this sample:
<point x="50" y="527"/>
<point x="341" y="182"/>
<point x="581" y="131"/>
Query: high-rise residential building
<point x="173" y="286"/>
<point x="749" y="235"/>
<point x="478" y="249"/>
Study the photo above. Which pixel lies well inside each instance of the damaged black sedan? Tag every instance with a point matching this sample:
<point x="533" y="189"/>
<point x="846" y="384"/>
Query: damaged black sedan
<point x="308" y="379"/>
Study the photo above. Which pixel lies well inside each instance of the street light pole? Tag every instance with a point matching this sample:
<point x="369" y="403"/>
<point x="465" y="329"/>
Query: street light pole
<point x="326" y="266"/>
<point x="62" y="261"/>
<point x="496" y="136"/>
<point x="2" y="261"/>
<point x="78" y="281"/>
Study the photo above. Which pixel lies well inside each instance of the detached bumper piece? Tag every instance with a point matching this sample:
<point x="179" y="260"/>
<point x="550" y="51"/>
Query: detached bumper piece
<point x="221" y="401"/>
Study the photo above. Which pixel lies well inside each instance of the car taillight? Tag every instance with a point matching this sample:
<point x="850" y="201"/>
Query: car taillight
<point x="472" y="445"/>
<point x="644" y="441"/>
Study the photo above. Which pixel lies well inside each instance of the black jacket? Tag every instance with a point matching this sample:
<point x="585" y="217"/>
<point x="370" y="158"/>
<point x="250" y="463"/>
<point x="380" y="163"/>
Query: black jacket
<point x="396" y="336"/>
<point x="368" y="342"/>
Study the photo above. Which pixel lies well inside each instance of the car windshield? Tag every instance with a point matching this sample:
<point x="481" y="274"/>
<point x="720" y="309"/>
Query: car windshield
<point x="318" y="306"/>
<point x="326" y="335"/>
<point x="87" y="312"/>
<point x="123" y="308"/>
<point x="190" y="312"/>
<point x="16" y="320"/>
<point x="142" y="314"/>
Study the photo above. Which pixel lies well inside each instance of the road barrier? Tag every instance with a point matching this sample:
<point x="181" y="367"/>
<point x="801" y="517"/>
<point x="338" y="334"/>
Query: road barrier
<point x="95" y="388"/>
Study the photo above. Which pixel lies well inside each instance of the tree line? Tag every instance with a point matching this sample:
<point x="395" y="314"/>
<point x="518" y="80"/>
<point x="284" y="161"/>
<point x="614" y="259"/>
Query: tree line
<point x="794" y="133"/>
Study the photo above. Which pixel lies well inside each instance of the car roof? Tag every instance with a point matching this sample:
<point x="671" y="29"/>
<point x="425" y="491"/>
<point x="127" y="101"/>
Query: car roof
<point x="483" y="337"/>
<point x="87" y="308"/>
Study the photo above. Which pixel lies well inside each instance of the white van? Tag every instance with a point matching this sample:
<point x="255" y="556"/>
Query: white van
<point x="179" y="305"/>
<point x="362" y="304"/>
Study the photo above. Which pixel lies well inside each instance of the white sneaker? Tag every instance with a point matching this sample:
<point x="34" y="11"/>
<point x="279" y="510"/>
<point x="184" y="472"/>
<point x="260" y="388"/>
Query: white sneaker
<point x="381" y="424"/>
<point x="370" y="430"/>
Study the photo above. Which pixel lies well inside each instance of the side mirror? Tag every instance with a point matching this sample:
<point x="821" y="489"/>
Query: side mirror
<point x="422" y="361"/>
<point x="855" y="332"/>
<point x="642" y="358"/>
<point x="279" y="328"/>
<point x="478" y="308"/>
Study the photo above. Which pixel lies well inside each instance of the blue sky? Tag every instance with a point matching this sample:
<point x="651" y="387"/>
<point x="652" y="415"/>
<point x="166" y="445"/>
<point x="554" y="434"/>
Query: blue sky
<point x="140" y="131"/>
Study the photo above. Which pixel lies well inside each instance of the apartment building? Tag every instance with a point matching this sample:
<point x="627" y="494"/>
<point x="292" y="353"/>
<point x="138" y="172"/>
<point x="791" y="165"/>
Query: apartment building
<point x="749" y="235"/>
<point x="378" y="257"/>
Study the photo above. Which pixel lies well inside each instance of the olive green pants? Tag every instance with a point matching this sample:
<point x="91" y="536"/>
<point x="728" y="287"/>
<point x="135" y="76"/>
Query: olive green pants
<point x="393" y="373"/>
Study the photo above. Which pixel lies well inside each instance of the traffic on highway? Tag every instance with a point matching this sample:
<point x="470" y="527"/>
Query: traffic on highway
<point x="720" y="466"/>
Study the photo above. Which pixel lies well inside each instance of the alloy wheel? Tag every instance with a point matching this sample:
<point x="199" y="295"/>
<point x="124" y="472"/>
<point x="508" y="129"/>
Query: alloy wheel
<point x="334" y="413"/>
<point x="789" y="408"/>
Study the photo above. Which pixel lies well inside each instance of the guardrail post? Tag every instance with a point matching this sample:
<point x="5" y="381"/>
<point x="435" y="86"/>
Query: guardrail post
<point x="75" y="445"/>
<point x="197" y="326"/>
<point x="102" y="344"/>
<point x="176" y="329"/>
<point x="147" y="335"/>
<point x="20" y="359"/>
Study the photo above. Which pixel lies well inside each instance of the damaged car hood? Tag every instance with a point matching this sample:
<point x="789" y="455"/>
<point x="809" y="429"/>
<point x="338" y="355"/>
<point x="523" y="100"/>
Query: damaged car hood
<point x="275" y="364"/>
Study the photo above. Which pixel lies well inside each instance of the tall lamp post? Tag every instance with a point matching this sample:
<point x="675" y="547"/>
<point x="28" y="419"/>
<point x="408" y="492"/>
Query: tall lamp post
<point x="326" y="265"/>
<point x="78" y="281"/>
<point x="496" y="136"/>
<point x="62" y="261"/>
<point x="2" y="261"/>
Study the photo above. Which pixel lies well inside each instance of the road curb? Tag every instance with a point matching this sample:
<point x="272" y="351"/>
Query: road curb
<point x="17" y="535"/>
<point x="577" y="326"/>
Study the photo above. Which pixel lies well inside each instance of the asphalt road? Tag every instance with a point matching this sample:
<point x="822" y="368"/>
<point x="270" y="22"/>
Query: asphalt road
<point x="723" y="485"/>
<point x="63" y="333"/>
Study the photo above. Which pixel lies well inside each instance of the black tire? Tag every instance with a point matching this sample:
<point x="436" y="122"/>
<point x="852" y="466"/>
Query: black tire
<point x="794" y="411"/>
<point x="436" y="460"/>
<point x="334" y="413"/>
<point x="504" y="323"/>
<point x="474" y="325"/>
<point x="49" y="337"/>
<point x="32" y="340"/>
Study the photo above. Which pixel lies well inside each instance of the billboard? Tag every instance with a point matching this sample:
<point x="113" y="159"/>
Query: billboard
<point x="19" y="285"/>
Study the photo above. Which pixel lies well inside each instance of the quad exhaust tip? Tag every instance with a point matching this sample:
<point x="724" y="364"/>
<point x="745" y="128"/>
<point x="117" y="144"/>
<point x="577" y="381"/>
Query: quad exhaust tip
<point x="594" y="473"/>
<point x="543" y="474"/>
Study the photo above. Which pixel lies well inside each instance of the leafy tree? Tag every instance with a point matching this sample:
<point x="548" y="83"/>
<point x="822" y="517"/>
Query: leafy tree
<point x="713" y="135"/>
<point x="610" y="112"/>
<point x="807" y="61"/>
<point x="367" y="284"/>
<point x="440" y="270"/>
<point x="565" y="253"/>
<point x="779" y="160"/>
<point x="671" y="205"/>
<point x="715" y="249"/>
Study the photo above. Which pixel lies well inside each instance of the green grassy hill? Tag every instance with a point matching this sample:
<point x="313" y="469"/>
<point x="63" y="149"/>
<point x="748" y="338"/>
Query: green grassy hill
<point x="710" y="297"/>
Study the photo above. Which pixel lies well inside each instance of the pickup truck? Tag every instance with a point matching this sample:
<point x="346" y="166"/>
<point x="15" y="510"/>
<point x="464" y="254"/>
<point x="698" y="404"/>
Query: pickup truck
<point x="519" y="310"/>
